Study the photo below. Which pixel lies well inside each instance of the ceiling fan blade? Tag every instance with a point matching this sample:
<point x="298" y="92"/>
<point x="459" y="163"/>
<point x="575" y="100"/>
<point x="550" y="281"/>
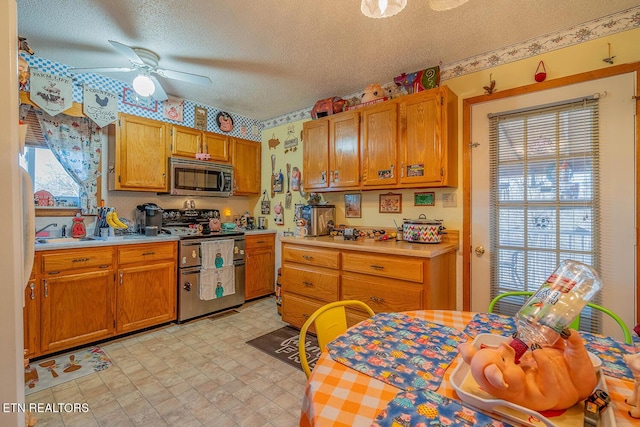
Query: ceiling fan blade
<point x="101" y="70"/>
<point x="127" y="51"/>
<point x="159" y="94"/>
<point x="181" y="75"/>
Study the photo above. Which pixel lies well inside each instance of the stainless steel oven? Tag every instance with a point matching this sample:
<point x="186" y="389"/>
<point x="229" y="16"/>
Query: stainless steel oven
<point x="192" y="227"/>
<point x="189" y="265"/>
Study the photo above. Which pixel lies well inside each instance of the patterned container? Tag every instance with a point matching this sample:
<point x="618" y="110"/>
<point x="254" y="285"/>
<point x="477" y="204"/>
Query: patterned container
<point x="422" y="230"/>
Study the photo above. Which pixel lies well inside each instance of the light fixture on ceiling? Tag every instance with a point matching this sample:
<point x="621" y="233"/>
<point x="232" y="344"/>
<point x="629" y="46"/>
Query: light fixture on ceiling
<point x="442" y="5"/>
<point x="382" y="8"/>
<point x="143" y="85"/>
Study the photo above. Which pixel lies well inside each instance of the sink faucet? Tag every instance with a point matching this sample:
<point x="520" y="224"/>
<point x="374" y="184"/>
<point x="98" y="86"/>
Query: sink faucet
<point x="53" y="224"/>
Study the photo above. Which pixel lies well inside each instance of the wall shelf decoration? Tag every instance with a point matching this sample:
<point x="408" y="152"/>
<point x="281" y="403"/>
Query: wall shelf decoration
<point x="353" y="205"/>
<point x="427" y="198"/>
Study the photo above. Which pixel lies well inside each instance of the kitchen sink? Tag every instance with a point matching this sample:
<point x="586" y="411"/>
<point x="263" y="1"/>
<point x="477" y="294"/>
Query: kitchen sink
<point x="60" y="240"/>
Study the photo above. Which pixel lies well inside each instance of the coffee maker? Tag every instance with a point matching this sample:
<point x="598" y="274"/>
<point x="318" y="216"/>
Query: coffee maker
<point x="149" y="219"/>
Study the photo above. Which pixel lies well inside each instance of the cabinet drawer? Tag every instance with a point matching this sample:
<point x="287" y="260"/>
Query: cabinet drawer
<point x="382" y="295"/>
<point x="311" y="256"/>
<point x="317" y="283"/>
<point x="296" y="310"/>
<point x="131" y="254"/>
<point x="77" y="259"/>
<point x="259" y="241"/>
<point x="401" y="268"/>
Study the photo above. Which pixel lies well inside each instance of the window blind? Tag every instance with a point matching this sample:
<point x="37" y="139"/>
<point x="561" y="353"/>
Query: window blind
<point x="544" y="196"/>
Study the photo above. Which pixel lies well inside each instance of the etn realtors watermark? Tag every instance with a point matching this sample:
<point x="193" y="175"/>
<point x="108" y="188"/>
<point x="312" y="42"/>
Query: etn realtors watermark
<point x="39" y="407"/>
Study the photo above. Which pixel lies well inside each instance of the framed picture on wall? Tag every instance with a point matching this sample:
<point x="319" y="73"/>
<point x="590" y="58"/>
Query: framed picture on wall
<point x="353" y="205"/>
<point x="427" y="198"/>
<point x="391" y="203"/>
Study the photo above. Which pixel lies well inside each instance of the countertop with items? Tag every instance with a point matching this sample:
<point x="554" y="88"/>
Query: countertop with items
<point x="396" y="247"/>
<point x="46" y="244"/>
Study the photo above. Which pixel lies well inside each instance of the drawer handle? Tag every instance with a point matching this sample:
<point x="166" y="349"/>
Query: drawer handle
<point x="376" y="299"/>
<point x="80" y="259"/>
<point x="104" y="266"/>
<point x="148" y="253"/>
<point x="306" y="316"/>
<point x="260" y="241"/>
<point x="307" y="257"/>
<point x="308" y="284"/>
<point x="377" y="267"/>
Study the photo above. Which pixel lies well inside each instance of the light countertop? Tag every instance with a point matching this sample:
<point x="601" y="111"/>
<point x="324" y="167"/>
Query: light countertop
<point x="389" y="247"/>
<point x="256" y="231"/>
<point x="125" y="240"/>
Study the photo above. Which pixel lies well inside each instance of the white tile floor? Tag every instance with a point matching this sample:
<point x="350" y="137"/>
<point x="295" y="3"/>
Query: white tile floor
<point x="200" y="373"/>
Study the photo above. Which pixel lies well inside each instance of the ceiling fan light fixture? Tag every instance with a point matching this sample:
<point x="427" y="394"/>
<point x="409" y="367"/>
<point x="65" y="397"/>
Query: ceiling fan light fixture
<point x="442" y="5"/>
<point x="381" y="8"/>
<point x="143" y="85"/>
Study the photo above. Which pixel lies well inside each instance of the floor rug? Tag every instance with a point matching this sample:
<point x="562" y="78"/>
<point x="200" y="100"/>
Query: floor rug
<point x="283" y="345"/>
<point x="51" y="372"/>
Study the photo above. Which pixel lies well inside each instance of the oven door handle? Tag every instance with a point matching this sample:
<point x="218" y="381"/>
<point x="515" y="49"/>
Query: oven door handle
<point x="186" y="271"/>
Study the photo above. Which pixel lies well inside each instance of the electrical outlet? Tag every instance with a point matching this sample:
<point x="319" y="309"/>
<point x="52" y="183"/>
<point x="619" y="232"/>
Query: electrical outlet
<point x="449" y="200"/>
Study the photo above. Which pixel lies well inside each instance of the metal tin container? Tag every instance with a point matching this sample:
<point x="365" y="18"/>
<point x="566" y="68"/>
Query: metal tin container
<point x="422" y="230"/>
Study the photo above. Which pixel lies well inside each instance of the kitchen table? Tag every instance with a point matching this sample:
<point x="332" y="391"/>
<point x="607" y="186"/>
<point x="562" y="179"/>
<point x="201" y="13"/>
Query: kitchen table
<point x="336" y="395"/>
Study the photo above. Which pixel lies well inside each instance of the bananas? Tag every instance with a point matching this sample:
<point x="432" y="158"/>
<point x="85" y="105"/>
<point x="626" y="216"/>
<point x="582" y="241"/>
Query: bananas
<point x="114" y="221"/>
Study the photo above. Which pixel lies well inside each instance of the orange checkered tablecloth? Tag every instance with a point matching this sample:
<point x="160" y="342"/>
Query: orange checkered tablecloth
<point x="337" y="395"/>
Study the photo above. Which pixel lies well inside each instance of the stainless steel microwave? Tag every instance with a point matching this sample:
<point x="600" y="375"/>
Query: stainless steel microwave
<point x="199" y="178"/>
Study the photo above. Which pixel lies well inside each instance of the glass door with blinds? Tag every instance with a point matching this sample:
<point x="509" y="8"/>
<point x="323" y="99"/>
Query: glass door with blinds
<point x="544" y="174"/>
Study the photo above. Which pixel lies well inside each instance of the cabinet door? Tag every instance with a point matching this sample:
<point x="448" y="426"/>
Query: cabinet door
<point x="217" y="146"/>
<point x="76" y="309"/>
<point x="316" y="154"/>
<point x="145" y="296"/>
<point x="421" y="150"/>
<point x="379" y="142"/>
<point x="140" y="155"/>
<point x="246" y="161"/>
<point x="259" y="272"/>
<point x="185" y="141"/>
<point x="344" y="146"/>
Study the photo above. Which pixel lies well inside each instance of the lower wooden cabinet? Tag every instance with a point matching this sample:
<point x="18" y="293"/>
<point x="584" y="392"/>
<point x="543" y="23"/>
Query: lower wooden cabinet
<point x="146" y="296"/>
<point x="259" y="265"/>
<point x="76" y="309"/>
<point x="79" y="296"/>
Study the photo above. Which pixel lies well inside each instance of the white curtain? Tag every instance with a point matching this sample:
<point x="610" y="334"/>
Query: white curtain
<point x="77" y="144"/>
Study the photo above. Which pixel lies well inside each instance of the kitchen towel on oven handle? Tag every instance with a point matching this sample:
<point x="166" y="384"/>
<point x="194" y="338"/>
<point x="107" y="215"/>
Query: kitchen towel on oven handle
<point x="217" y="283"/>
<point x="217" y="253"/>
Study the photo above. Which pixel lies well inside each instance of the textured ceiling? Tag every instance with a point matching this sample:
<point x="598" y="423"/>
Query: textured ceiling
<point x="271" y="57"/>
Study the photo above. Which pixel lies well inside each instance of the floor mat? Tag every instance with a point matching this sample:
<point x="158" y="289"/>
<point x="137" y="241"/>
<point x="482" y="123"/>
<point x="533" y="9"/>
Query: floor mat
<point x="283" y="345"/>
<point x="53" y="371"/>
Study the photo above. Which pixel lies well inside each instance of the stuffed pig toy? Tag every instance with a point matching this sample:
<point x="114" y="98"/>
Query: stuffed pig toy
<point x="546" y="378"/>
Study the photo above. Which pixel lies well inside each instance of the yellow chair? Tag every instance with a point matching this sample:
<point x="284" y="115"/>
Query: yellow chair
<point x="576" y="323"/>
<point x="330" y="321"/>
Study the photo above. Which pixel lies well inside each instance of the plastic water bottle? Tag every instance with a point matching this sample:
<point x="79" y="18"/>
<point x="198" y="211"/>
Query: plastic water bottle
<point x="555" y="305"/>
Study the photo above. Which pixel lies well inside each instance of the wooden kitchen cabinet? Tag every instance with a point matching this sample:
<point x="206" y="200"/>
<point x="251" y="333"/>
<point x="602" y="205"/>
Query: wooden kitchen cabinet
<point x="146" y="289"/>
<point x="31" y="311"/>
<point x="187" y="142"/>
<point x="379" y="145"/>
<point x="247" y="170"/>
<point x="138" y="155"/>
<point x="332" y="152"/>
<point x="314" y="275"/>
<point x="428" y="141"/>
<point x="259" y="265"/>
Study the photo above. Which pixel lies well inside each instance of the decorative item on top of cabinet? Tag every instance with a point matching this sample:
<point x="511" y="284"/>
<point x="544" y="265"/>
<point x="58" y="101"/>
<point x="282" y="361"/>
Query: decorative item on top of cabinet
<point x="260" y="265"/>
<point x="137" y="155"/>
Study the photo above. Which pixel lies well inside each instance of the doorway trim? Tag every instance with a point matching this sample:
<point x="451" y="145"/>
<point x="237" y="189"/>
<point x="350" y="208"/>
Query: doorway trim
<point x="468" y="103"/>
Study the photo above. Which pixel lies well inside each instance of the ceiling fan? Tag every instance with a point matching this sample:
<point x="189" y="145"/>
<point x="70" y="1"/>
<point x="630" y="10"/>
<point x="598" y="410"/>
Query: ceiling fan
<point x="145" y="63"/>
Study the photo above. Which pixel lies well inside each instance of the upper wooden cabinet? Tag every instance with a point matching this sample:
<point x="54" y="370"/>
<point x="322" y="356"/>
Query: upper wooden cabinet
<point x="187" y="142"/>
<point x="138" y="155"/>
<point x="428" y="138"/>
<point x="379" y="145"/>
<point x="332" y="152"/>
<point x="246" y="161"/>
<point x="407" y="142"/>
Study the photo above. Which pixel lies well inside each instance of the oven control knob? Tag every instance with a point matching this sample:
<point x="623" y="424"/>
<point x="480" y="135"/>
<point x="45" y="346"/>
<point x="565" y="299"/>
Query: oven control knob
<point x="187" y="286"/>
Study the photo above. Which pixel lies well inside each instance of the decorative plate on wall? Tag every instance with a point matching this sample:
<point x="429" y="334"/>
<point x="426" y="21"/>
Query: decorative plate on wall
<point x="224" y="121"/>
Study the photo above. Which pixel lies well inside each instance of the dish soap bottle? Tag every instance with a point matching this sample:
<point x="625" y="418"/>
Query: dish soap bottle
<point x="555" y="305"/>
